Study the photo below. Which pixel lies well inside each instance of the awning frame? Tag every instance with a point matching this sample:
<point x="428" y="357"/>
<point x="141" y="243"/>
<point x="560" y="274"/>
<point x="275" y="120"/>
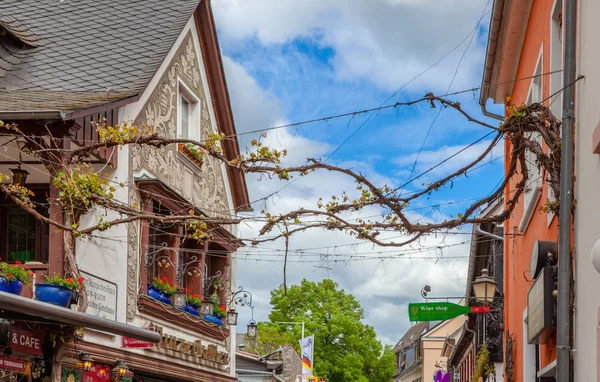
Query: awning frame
<point x="20" y="308"/>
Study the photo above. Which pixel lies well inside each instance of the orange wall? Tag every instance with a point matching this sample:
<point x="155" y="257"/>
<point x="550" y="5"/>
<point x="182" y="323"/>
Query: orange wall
<point x="517" y="249"/>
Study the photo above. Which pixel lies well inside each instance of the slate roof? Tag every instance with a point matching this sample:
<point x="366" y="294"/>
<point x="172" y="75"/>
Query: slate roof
<point x="415" y="331"/>
<point x="69" y="55"/>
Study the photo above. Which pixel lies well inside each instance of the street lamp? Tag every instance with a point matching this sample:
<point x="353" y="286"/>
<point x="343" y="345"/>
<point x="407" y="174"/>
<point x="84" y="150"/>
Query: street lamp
<point x="484" y="287"/>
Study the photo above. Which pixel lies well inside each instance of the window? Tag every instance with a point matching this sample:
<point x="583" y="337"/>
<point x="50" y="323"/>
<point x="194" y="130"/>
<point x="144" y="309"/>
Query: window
<point x="25" y="238"/>
<point x="185" y="117"/>
<point x="533" y="187"/>
<point x="188" y="120"/>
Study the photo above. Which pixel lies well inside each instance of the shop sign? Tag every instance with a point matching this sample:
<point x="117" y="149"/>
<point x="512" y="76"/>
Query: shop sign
<point x="132" y="343"/>
<point x="102" y="297"/>
<point x="12" y="364"/>
<point x="97" y="373"/>
<point x="24" y="341"/>
<point x="179" y="345"/>
<point x="541" y="307"/>
<point x="438" y="311"/>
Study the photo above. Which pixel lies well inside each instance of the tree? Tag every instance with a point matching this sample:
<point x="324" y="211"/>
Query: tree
<point x="346" y="349"/>
<point x="81" y="190"/>
<point x="269" y="338"/>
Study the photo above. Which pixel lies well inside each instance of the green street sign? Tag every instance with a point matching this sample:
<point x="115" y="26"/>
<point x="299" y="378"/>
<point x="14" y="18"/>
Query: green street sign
<point x="436" y="311"/>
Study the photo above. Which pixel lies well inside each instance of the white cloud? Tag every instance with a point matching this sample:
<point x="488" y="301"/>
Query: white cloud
<point x="430" y="158"/>
<point x="384" y="41"/>
<point x="253" y="107"/>
<point x="386" y="285"/>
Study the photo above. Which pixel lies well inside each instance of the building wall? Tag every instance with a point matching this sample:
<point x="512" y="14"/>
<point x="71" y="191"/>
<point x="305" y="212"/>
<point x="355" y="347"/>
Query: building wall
<point x="517" y="249"/>
<point x="587" y="173"/>
<point x="116" y="256"/>
<point x="432" y="343"/>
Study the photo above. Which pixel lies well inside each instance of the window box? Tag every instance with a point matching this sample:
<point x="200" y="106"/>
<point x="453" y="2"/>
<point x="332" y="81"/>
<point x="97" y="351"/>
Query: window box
<point x="152" y="308"/>
<point x="191" y="152"/>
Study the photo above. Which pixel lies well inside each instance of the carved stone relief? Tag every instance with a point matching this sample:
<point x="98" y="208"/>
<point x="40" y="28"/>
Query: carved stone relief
<point x="202" y="187"/>
<point x="133" y="250"/>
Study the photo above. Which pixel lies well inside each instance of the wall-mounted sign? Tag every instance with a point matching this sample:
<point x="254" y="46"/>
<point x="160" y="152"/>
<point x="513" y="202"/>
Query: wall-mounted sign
<point x="24" y="341"/>
<point x="132" y="343"/>
<point x="440" y="311"/>
<point x="540" y="307"/>
<point x="102" y="297"/>
<point x="12" y="364"/>
<point x="208" y="353"/>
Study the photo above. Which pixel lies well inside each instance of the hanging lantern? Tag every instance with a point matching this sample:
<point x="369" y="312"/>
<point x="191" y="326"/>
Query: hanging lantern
<point x="19" y="176"/>
<point x="232" y="317"/>
<point x="120" y="370"/>
<point x="251" y="332"/>
<point x="87" y="361"/>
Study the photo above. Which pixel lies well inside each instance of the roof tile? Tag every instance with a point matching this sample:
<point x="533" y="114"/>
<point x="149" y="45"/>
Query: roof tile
<point x="70" y="52"/>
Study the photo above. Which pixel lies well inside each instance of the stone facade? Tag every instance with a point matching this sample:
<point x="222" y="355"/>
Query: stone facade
<point x="292" y="364"/>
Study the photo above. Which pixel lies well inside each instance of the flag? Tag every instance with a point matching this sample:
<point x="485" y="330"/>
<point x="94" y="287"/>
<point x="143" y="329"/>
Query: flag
<point x="307" y="348"/>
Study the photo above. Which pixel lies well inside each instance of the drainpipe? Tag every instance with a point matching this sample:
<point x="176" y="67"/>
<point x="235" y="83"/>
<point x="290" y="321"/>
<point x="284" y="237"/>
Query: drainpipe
<point x="492" y="46"/>
<point x="563" y="362"/>
<point x="488" y="113"/>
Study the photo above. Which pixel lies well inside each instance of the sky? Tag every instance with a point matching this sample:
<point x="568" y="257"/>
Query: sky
<point x="289" y="61"/>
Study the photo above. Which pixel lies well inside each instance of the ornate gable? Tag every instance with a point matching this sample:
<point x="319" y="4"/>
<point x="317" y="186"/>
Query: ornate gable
<point x="203" y="187"/>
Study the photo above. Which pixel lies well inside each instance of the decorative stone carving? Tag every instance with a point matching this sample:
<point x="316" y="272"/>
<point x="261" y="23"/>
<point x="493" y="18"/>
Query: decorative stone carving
<point x="133" y="249"/>
<point x="202" y="187"/>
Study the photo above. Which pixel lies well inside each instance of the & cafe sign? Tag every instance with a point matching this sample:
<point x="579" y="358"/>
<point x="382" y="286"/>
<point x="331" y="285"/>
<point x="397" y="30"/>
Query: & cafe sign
<point x="24" y="341"/>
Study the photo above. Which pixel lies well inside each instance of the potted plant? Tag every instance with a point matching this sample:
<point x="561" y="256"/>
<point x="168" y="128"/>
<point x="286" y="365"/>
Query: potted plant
<point x="58" y="290"/>
<point x="192" y="152"/>
<point x="193" y="302"/>
<point x="12" y="277"/>
<point x="161" y="290"/>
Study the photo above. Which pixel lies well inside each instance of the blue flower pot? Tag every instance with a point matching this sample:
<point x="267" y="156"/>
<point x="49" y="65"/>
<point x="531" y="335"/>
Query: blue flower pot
<point x="53" y="294"/>
<point x="12" y="287"/>
<point x="213" y="320"/>
<point x="153" y="292"/>
<point x="191" y="309"/>
<point x="158" y="295"/>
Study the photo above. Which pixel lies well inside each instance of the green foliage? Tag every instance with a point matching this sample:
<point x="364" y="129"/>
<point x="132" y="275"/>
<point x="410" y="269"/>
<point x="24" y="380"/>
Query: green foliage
<point x="69" y="283"/>
<point x="121" y="133"/>
<point x="269" y="338"/>
<point x="164" y="285"/>
<point x="483" y="366"/>
<point x="193" y="299"/>
<point x="197" y="230"/>
<point x="80" y="187"/>
<point x="346" y="349"/>
<point x="219" y="311"/>
<point x="195" y="150"/>
<point x="15" y="273"/>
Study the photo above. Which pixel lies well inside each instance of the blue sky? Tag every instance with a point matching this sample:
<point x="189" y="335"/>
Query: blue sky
<point x="289" y="61"/>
